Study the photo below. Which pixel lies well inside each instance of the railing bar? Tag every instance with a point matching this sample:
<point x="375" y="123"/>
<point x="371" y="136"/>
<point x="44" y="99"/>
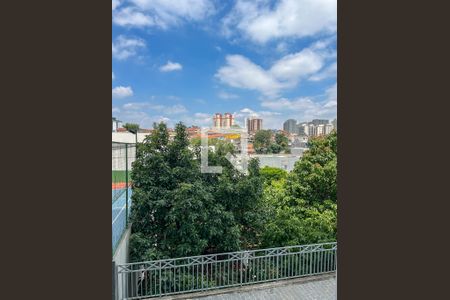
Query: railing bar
<point x="289" y="266"/>
<point x="226" y="253"/>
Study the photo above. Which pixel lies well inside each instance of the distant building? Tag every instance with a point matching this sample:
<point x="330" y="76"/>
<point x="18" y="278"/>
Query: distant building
<point x="328" y="128"/>
<point x="310" y="129"/>
<point x="317" y="122"/>
<point x="116" y="124"/>
<point x="254" y="125"/>
<point x="217" y="120"/>
<point x="335" y="124"/>
<point x="290" y="126"/>
<point x="302" y="128"/>
<point x="319" y="130"/>
<point x="225" y="121"/>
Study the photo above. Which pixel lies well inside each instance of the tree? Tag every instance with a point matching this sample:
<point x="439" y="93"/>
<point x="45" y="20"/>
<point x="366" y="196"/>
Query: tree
<point x="262" y="141"/>
<point x="132" y="127"/>
<point x="270" y="174"/>
<point x="274" y="148"/>
<point x="282" y="141"/>
<point x="314" y="177"/>
<point x="302" y="207"/>
<point x="178" y="211"/>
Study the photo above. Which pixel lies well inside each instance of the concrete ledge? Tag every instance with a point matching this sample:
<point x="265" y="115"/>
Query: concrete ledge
<point x="245" y="288"/>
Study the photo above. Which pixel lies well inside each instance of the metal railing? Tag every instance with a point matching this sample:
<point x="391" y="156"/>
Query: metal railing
<point x="200" y="273"/>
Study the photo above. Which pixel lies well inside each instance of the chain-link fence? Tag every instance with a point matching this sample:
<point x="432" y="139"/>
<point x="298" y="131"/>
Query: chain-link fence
<point x="123" y="155"/>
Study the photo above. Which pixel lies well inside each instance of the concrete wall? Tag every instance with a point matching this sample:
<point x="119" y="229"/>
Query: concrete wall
<point x="128" y="137"/>
<point x="121" y="256"/>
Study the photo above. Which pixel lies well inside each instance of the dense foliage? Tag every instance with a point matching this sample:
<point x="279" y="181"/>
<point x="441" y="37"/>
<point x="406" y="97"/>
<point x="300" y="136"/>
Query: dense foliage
<point x="132" y="127"/>
<point x="302" y="206"/>
<point x="179" y="211"/>
<point x="266" y="143"/>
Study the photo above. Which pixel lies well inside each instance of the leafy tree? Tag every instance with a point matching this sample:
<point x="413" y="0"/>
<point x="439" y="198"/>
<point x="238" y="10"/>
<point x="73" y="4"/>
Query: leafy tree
<point x="282" y="141"/>
<point x="270" y="174"/>
<point x="178" y="211"/>
<point x="302" y="207"/>
<point x="132" y="127"/>
<point x="314" y="177"/>
<point x="274" y="148"/>
<point x="262" y="141"/>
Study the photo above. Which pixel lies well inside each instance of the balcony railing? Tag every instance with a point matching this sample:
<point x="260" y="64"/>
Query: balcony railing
<point x="206" y="272"/>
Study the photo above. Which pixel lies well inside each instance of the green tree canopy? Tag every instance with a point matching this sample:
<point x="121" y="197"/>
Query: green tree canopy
<point x="262" y="141"/>
<point x="270" y="174"/>
<point x="132" y="127"/>
<point x="302" y="207"/>
<point x="178" y="211"/>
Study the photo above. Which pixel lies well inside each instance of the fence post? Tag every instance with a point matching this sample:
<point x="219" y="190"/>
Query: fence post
<point x="202" y="272"/>
<point x="240" y="267"/>
<point x="126" y="185"/>
<point x="160" y="279"/>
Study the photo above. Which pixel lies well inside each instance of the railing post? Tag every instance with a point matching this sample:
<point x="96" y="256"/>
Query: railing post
<point x="278" y="266"/>
<point x="240" y="268"/>
<point x="201" y="266"/>
<point x="160" y="279"/>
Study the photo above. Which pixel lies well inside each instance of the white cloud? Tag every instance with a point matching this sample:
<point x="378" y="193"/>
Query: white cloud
<point x="294" y="66"/>
<point x="146" y="106"/>
<point x="240" y="72"/>
<point x="306" y="108"/>
<point x="175" y="109"/>
<point x="130" y="16"/>
<point x="261" y="21"/>
<point x="115" y="4"/>
<point x="124" y="47"/>
<point x="227" y="96"/>
<point x="282" y="47"/>
<point x="162" y="13"/>
<point x="328" y="72"/>
<point x="122" y="92"/>
<point x="171" y="66"/>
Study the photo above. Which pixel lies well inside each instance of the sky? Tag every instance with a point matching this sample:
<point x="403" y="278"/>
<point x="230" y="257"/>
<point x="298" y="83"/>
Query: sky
<point x="185" y="60"/>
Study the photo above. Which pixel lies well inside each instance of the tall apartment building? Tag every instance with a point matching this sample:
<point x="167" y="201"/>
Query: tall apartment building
<point x="317" y="122"/>
<point x="319" y="130"/>
<point x="302" y="128"/>
<point x="335" y="124"/>
<point x="328" y="128"/>
<point x="254" y="124"/>
<point x="290" y="126"/>
<point x="222" y="122"/>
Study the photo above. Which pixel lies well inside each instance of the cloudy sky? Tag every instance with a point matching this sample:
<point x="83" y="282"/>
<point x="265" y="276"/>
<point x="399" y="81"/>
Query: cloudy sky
<point x="184" y="60"/>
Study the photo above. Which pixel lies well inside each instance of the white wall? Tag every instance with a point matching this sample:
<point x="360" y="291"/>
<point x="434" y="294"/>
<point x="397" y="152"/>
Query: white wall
<point x="128" y="137"/>
<point x="121" y="255"/>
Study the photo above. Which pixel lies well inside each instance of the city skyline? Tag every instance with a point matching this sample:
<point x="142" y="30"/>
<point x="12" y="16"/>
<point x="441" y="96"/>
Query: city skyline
<point x="186" y="62"/>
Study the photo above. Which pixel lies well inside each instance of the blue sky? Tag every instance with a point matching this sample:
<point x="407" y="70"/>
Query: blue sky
<point x="185" y="60"/>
